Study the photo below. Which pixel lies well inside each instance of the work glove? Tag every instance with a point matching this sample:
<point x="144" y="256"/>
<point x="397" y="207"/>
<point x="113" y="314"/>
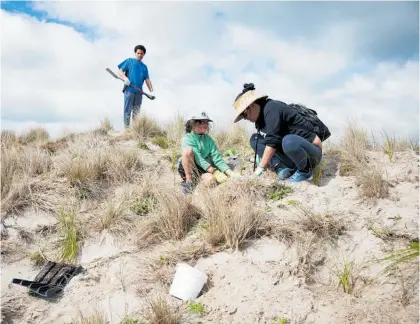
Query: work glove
<point x="232" y="174"/>
<point x="258" y="171"/>
<point x="152" y="94"/>
<point x="127" y="82"/>
<point x="220" y="177"/>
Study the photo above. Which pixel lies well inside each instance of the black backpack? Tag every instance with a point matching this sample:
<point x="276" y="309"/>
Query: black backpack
<point x="311" y="116"/>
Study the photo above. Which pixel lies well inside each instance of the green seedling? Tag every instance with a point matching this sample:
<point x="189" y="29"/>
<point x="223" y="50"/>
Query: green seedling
<point x="281" y="320"/>
<point x="161" y="141"/>
<point x="69" y="247"/>
<point x="229" y="152"/>
<point x="37" y="258"/>
<point x="144" y="205"/>
<point x="346" y="278"/>
<point x="196" y="308"/>
<point x="292" y="202"/>
<point x="279" y="192"/>
<point x="408" y="254"/>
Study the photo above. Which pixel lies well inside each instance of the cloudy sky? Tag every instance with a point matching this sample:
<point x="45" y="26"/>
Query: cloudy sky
<point x="348" y="60"/>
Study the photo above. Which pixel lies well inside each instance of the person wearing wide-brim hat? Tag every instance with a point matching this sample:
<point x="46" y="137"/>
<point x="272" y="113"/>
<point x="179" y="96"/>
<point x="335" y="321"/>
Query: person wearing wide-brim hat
<point x="200" y="159"/>
<point x="288" y="146"/>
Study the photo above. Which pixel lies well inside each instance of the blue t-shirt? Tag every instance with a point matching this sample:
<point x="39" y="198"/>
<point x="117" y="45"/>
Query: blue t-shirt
<point x="137" y="72"/>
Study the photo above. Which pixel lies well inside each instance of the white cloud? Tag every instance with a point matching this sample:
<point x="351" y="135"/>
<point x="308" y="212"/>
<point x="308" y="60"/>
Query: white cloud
<point x="50" y="72"/>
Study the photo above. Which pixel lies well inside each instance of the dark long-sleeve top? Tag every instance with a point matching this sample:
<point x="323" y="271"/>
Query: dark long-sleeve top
<point x="277" y="119"/>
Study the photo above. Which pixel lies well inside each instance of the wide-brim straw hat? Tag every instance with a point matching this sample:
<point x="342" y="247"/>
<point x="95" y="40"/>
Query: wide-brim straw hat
<point x="244" y="101"/>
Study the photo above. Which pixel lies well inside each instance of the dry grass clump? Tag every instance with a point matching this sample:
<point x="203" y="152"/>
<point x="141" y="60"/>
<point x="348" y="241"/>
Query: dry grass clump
<point x="160" y="312"/>
<point x="17" y="164"/>
<point x="41" y="194"/>
<point x="34" y="135"/>
<point x="98" y="317"/>
<point x="371" y="184"/>
<point x="230" y="221"/>
<point x="115" y="216"/>
<point x="160" y="267"/>
<point x="91" y="164"/>
<point x="174" y="216"/>
<point x="8" y="138"/>
<point x="236" y="138"/>
<point x="175" y="131"/>
<point x="144" y="127"/>
<point x="353" y="150"/>
<point x="323" y="225"/>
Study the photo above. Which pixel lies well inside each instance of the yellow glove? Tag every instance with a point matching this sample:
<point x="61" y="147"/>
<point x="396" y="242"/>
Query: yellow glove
<point x="220" y="177"/>
<point x="232" y="174"/>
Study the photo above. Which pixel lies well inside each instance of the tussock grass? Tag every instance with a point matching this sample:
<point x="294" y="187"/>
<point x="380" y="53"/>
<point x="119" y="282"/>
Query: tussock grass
<point x="346" y="276"/>
<point x="90" y="165"/>
<point x="34" y="135"/>
<point x="144" y="127"/>
<point x="98" y="317"/>
<point x="41" y="194"/>
<point x="230" y="221"/>
<point x="408" y="255"/>
<point x="371" y="183"/>
<point x="172" y="220"/>
<point x="69" y="233"/>
<point x="235" y="138"/>
<point x="353" y="150"/>
<point x="105" y="127"/>
<point x="17" y="164"/>
<point x="8" y="138"/>
<point x="160" y="312"/>
<point x="175" y="131"/>
<point x="161" y="141"/>
<point x="115" y="217"/>
<point x="323" y="225"/>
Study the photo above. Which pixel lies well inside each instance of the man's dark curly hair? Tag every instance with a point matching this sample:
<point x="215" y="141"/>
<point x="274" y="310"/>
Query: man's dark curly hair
<point x="140" y="47"/>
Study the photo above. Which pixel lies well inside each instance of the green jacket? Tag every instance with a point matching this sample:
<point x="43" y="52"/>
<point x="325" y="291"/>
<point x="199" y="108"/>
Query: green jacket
<point x="205" y="149"/>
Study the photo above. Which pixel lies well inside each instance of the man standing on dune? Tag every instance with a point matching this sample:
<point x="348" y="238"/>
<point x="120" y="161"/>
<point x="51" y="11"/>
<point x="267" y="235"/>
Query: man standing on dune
<point x="134" y="72"/>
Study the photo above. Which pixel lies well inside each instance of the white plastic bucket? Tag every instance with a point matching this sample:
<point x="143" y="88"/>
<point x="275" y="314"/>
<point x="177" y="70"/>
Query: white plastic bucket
<point x="187" y="282"/>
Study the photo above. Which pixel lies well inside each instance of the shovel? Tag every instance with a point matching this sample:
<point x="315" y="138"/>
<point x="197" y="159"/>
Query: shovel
<point x="139" y="90"/>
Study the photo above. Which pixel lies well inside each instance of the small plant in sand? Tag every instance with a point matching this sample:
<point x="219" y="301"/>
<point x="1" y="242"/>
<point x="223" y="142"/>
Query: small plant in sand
<point x="160" y="312"/>
<point x="389" y="146"/>
<point x="160" y="141"/>
<point x="281" y="320"/>
<point x="69" y="244"/>
<point x="144" y="205"/>
<point x="279" y="191"/>
<point x="346" y="278"/>
<point x="196" y="308"/>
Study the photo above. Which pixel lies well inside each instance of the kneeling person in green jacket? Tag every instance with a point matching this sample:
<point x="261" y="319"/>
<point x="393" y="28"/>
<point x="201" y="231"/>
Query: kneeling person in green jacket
<point x="201" y="160"/>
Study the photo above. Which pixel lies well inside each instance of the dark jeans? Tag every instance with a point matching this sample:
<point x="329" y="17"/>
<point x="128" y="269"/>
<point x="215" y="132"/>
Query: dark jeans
<point x="299" y="154"/>
<point x="132" y="104"/>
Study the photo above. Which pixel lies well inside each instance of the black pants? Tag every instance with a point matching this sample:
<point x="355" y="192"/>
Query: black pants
<point x="196" y="171"/>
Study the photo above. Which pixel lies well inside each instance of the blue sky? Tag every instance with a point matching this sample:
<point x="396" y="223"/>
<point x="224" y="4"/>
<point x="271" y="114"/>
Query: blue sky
<point x="347" y="60"/>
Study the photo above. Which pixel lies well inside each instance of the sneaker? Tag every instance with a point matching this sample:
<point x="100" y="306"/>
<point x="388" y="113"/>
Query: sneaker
<point x="284" y="173"/>
<point x="299" y="176"/>
<point x="186" y="188"/>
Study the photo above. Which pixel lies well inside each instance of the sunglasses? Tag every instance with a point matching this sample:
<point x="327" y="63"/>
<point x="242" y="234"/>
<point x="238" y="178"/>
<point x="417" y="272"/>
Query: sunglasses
<point x="202" y="122"/>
